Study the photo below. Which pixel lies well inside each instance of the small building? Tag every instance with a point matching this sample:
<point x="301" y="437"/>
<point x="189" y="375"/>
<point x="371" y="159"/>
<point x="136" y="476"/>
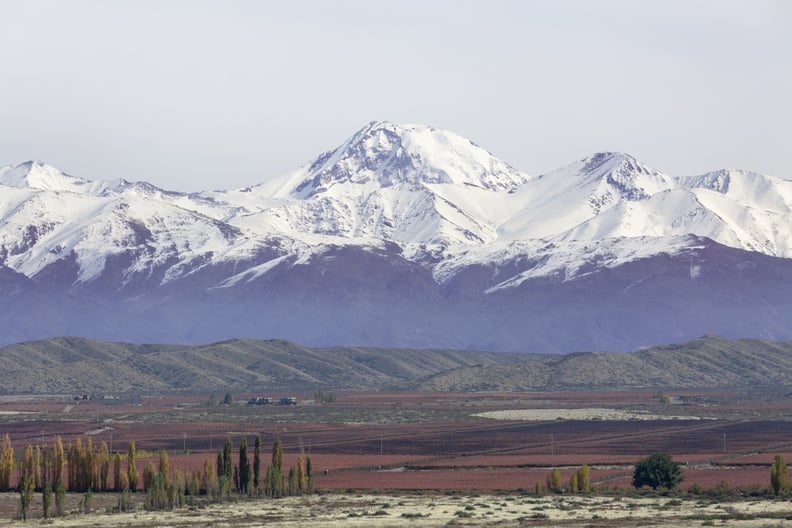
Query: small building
<point x="261" y="401"/>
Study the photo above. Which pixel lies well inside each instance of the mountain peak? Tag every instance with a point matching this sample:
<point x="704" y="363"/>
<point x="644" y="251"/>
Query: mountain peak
<point x="604" y="163"/>
<point x="721" y="180"/>
<point x="35" y="174"/>
<point x="386" y="154"/>
<point x="620" y="176"/>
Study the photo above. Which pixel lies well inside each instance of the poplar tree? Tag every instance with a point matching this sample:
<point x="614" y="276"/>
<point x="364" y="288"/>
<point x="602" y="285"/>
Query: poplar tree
<point x="164" y="467"/>
<point x="132" y="474"/>
<point x="257" y="462"/>
<point x="47" y="467"/>
<point x="194" y="487"/>
<point x="6" y="463"/>
<point x="244" y="467"/>
<point x="250" y="487"/>
<point x="60" y="498"/>
<point x="225" y="465"/>
<point x="157" y="494"/>
<point x="779" y="479"/>
<point x="74" y="458"/>
<point x="277" y="456"/>
<point x="294" y="486"/>
<point x="27" y="466"/>
<point x="103" y="467"/>
<point x="149" y="472"/>
<point x="584" y="479"/>
<point x="37" y="477"/>
<point x="573" y="483"/>
<point x="309" y="473"/>
<point x="302" y="476"/>
<point x="58" y="455"/>
<point x="209" y="479"/>
<point x="275" y="482"/>
<point x="46" y="498"/>
<point x="71" y="467"/>
<point x="117" y="473"/>
<point x="25" y="495"/>
<point x="554" y="481"/>
<point x="88" y="466"/>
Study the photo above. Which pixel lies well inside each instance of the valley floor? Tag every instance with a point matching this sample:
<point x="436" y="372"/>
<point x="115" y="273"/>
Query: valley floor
<point x="438" y="458"/>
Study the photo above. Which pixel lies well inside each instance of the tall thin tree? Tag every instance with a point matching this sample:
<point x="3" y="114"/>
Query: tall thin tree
<point x="25" y="494"/>
<point x="244" y="466"/>
<point x="164" y="467"/>
<point x="103" y="466"/>
<point x="6" y="463"/>
<point x="117" y="473"/>
<point x="257" y="462"/>
<point x="60" y="460"/>
<point x="132" y="473"/>
<point x="779" y="478"/>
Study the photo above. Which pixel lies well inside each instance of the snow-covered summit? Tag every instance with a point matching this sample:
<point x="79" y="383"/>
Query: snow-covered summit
<point x="37" y="175"/>
<point x="407" y="183"/>
<point x="388" y="154"/>
<point x="612" y="177"/>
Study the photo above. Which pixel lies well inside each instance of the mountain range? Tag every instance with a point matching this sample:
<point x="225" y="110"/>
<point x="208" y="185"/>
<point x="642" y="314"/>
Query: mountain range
<point x="403" y="236"/>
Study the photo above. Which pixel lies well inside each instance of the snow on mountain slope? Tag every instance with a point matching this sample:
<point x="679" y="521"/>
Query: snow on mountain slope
<point x="755" y="190"/>
<point x="754" y="208"/>
<point x="411" y="184"/>
<point x="39" y="228"/>
<point x="665" y="214"/>
<point x="398" y="213"/>
<point x="43" y="177"/>
<point x="561" y="200"/>
<point x="562" y="260"/>
<point x="38" y="175"/>
<point x="444" y="201"/>
<point x="391" y="154"/>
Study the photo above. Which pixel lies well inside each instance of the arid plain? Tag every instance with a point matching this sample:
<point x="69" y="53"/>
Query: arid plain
<point x="441" y="458"/>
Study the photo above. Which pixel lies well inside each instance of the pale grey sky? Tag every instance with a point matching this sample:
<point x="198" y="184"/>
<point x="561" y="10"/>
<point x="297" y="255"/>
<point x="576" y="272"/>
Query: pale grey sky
<point x="194" y="95"/>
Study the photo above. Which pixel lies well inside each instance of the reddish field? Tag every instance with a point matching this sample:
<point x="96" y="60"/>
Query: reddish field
<point x="437" y="443"/>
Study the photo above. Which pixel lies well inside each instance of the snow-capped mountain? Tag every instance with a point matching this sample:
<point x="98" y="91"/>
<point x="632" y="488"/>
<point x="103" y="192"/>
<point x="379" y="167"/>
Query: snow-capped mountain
<point x="411" y="184"/>
<point x="402" y="235"/>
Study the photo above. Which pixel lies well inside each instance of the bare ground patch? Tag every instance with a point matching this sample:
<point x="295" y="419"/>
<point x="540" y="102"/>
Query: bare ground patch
<point x="437" y="510"/>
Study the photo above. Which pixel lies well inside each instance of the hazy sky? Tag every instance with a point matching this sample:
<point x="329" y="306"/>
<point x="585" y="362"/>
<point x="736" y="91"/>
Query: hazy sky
<point x="194" y="95"/>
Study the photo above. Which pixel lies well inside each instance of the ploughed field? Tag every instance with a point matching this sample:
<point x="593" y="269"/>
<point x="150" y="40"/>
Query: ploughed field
<point x="438" y="441"/>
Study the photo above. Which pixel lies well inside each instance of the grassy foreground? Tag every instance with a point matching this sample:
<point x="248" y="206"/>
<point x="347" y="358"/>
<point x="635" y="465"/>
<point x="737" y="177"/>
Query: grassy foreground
<point x="432" y="510"/>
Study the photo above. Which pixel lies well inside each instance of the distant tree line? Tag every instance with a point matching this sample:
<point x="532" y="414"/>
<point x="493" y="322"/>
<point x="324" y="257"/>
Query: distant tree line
<point x="83" y="468"/>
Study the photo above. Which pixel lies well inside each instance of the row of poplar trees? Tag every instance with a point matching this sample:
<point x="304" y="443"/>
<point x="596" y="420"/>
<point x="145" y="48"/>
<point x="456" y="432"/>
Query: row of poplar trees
<point x="247" y="478"/>
<point x="84" y="466"/>
<point x="81" y="466"/>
